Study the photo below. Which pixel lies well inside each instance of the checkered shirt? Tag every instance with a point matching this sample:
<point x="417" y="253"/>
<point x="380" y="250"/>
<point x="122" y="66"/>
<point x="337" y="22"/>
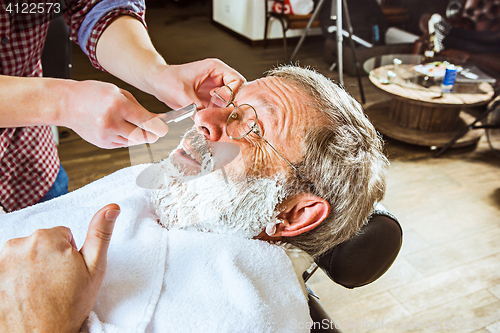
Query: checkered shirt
<point x="28" y="155"/>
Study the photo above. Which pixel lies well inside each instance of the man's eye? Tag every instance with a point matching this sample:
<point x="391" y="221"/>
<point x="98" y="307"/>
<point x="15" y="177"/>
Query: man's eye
<point x="250" y="122"/>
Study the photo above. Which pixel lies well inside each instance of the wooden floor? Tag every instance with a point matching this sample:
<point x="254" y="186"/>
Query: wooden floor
<point x="447" y="276"/>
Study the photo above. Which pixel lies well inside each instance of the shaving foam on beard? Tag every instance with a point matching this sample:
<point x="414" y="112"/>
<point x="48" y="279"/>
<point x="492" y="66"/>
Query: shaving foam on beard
<point x="216" y="202"/>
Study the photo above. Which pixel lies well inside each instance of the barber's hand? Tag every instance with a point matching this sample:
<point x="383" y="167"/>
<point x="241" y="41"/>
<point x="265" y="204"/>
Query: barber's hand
<point x="46" y="284"/>
<point x="109" y="117"/>
<point x="181" y="85"/>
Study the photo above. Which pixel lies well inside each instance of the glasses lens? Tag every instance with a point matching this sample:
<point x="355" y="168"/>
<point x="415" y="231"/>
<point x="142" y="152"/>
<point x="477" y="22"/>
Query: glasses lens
<point x="241" y="121"/>
<point x="221" y="98"/>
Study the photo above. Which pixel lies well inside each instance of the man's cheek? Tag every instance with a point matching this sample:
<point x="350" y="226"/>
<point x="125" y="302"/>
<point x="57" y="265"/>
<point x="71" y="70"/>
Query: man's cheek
<point x="255" y="161"/>
<point x="259" y="162"/>
<point x="223" y="153"/>
<point x="236" y="169"/>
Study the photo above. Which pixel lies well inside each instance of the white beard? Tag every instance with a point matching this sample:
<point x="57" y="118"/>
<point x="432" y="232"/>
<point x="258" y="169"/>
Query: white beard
<point x="216" y="202"/>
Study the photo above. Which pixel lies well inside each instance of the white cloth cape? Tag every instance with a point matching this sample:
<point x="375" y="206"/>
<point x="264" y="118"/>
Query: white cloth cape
<point x="172" y="281"/>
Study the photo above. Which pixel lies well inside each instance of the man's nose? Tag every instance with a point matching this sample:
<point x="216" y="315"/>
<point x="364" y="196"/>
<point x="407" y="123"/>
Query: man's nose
<point x="212" y="122"/>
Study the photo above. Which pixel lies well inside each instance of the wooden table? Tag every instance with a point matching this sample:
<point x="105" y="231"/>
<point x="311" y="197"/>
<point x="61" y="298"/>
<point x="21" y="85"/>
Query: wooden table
<point x="424" y="116"/>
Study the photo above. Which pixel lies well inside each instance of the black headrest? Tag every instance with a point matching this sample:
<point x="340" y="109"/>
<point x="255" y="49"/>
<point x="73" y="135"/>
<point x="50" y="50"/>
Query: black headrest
<point x="365" y="257"/>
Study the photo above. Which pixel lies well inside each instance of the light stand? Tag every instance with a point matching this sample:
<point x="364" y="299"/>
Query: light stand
<point x="351" y="44"/>
<point x="336" y="14"/>
<point x="336" y="9"/>
<point x="307" y="28"/>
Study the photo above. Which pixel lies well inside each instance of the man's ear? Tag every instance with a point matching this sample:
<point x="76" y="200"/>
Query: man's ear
<point x="301" y="213"/>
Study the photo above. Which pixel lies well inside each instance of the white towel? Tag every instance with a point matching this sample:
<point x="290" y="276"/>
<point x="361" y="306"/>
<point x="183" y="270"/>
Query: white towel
<point x="172" y="281"/>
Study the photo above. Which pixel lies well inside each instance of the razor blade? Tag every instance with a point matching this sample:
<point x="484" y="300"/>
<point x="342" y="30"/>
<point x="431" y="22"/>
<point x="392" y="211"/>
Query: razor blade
<point x="179" y="114"/>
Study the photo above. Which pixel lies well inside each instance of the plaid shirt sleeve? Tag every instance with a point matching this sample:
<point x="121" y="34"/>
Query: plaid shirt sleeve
<point x="99" y="29"/>
<point x="88" y="20"/>
<point x="28" y="155"/>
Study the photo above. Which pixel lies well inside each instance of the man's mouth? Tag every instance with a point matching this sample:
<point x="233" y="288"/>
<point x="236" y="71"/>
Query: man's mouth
<point x="194" y="154"/>
<point x="188" y="156"/>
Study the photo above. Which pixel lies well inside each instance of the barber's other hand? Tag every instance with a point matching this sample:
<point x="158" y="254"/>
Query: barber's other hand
<point x="109" y="117"/>
<point x="181" y="85"/>
<point x="46" y="284"/>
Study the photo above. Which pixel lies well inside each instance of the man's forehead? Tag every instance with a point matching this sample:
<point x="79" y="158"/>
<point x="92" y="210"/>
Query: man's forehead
<point x="271" y="92"/>
<point x="285" y="109"/>
<point x="263" y="84"/>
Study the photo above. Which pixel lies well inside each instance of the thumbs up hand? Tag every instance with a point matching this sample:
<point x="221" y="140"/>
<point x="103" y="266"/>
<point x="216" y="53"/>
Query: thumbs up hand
<point x="46" y="284"/>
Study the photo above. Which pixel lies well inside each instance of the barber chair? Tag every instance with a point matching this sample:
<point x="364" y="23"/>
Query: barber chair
<point x="357" y="262"/>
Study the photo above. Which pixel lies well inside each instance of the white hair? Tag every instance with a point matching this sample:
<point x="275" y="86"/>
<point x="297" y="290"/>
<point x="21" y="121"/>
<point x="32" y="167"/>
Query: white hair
<point x="343" y="159"/>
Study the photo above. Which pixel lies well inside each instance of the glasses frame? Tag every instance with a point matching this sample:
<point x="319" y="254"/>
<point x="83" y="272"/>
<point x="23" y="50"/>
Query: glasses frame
<point x="253" y="128"/>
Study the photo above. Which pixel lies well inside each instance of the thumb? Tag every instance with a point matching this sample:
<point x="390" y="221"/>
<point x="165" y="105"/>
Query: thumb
<point x="234" y="82"/>
<point x="140" y="117"/>
<point x="95" y="247"/>
<point x="155" y="125"/>
<point x="190" y="96"/>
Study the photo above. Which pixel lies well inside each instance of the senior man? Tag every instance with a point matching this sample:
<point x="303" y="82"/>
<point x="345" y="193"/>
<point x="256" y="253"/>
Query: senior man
<point x="305" y="167"/>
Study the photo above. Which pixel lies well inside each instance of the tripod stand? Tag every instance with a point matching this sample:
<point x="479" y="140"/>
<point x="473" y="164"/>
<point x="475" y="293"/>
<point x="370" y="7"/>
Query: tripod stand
<point x="336" y="14"/>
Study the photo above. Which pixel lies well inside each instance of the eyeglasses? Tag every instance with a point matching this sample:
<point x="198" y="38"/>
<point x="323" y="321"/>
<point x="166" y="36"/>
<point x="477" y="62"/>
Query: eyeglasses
<point x="242" y="121"/>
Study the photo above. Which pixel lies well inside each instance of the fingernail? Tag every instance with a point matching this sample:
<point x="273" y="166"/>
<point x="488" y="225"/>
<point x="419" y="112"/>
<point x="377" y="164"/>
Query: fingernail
<point x="156" y="126"/>
<point x="112" y="214"/>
